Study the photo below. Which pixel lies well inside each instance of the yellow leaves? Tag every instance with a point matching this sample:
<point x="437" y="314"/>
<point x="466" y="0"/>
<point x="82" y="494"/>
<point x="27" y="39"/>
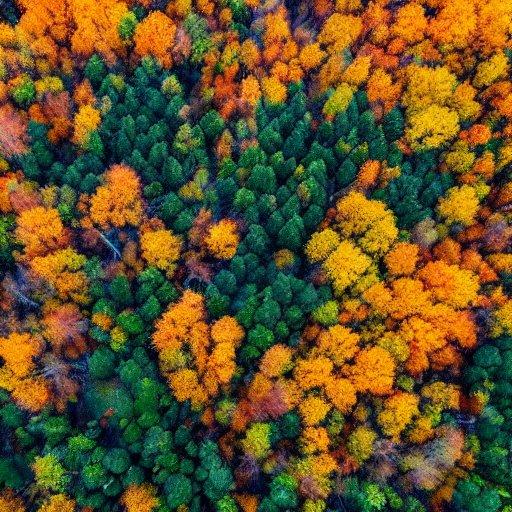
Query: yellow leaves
<point x="273" y="89"/>
<point x="118" y="202"/>
<point x="428" y="96"/>
<point x="432" y="127"/>
<point x="442" y="395"/>
<point x="313" y="410"/>
<point x="222" y="239"/>
<point x="395" y="345"/>
<point x="161" y="249"/>
<point x="51" y="84"/>
<point x="321" y="244"/>
<point x="345" y="265"/>
<point x="339" y="31"/>
<point x="459" y="205"/>
<point x="502" y="320"/>
<point x="139" y="498"/>
<point x="459" y="159"/>
<point x="257" y="440"/>
<point x="488" y="71"/>
<point x="358" y="71"/>
<point x="155" y="36"/>
<point x="369" y="221"/>
<point x="360" y="443"/>
<point x="399" y="410"/>
<point x="86" y="121"/>
<point x="62" y="270"/>
<point x="338" y="101"/>
<point x="339" y="344"/>
<point x="428" y="86"/>
<point x="410" y="23"/>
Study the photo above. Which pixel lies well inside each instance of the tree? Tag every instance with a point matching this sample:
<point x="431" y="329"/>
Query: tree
<point x="117" y="203"/>
<point x="155" y="36"/>
<point x="161" y="249"/>
<point x="41" y="231"/>
<point x="222" y="239"/>
<point x="13" y="139"/>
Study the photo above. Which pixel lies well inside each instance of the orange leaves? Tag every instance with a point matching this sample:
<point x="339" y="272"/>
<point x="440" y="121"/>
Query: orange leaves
<point x="341" y="393"/>
<point x="311" y="56"/>
<point x="183" y="320"/>
<point x="402" y="259"/>
<point x="118" y="202"/>
<point x="155" y="36"/>
<point x="97" y="23"/>
<point x="374" y="371"/>
<point x="222" y="239"/>
<point x="139" y="498"/>
<point x="276" y="361"/>
<point x="84" y="26"/>
<point x="65" y="328"/>
<point x="313" y="410"/>
<point x="41" y="231"/>
<point x="32" y="393"/>
<point x="198" y="359"/>
<point x="13" y="135"/>
<point x="338" y="343"/>
<point x="63" y="271"/>
<point x="449" y="284"/>
<point x="58" y="503"/>
<point x="454" y="24"/>
<point x="227" y="330"/>
<point x="18" y="352"/>
<point x="410" y="23"/>
<point x="312" y="372"/>
<point x="10" y="502"/>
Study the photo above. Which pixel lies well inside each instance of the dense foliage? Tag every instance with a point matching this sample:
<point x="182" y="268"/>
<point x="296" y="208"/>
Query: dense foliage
<point x="255" y="255"/>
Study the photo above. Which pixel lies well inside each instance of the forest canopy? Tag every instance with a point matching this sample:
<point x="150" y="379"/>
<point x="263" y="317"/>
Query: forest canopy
<point x="255" y="256"/>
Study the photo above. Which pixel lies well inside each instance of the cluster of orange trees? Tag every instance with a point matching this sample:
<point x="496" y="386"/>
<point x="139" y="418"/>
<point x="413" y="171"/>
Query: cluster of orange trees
<point x="255" y="255"/>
